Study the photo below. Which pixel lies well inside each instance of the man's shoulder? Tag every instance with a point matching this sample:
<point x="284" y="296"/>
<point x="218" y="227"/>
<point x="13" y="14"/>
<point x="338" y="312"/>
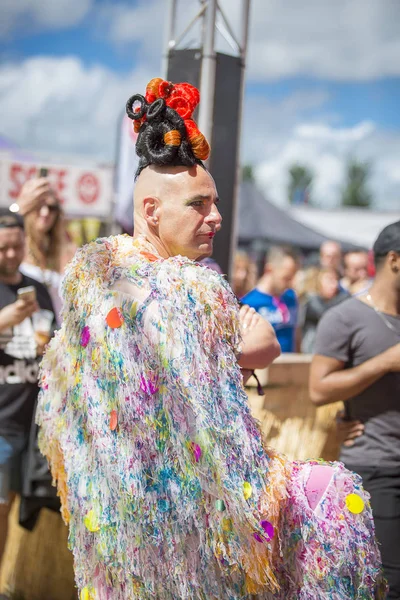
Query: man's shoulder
<point x="349" y="310"/>
<point x="256" y="296"/>
<point x="289" y="297"/>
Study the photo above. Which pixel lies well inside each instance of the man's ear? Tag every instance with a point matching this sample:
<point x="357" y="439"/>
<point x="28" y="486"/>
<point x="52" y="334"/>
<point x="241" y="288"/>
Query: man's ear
<point x="151" y="210"/>
<point x="394" y="261"/>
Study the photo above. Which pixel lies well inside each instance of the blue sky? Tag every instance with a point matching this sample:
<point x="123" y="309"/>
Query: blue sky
<point x="377" y="100"/>
<point x="323" y="82"/>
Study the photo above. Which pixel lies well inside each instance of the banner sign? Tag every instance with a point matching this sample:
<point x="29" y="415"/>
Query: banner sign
<point x="82" y="192"/>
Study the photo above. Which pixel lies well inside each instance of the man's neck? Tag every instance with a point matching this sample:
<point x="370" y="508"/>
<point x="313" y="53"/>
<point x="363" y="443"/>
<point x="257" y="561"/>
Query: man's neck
<point x="153" y="240"/>
<point x="265" y="285"/>
<point x="13" y="279"/>
<point x="385" y="297"/>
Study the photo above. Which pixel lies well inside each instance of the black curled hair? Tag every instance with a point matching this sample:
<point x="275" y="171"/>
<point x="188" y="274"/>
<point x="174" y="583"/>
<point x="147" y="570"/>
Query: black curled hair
<point x="151" y="148"/>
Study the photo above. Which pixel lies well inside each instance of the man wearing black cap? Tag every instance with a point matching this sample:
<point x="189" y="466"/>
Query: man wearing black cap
<point x="357" y="360"/>
<point x="20" y="297"/>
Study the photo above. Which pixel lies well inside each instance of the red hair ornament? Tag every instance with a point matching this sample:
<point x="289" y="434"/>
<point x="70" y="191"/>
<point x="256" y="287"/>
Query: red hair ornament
<point x="183" y="98"/>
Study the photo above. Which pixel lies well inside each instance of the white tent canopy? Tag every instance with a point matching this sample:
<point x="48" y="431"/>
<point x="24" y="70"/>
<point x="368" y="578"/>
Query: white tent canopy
<point x="356" y="225"/>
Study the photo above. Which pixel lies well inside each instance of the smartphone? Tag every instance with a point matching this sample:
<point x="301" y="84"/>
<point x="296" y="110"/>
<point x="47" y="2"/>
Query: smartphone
<point x="28" y="294"/>
<point x="43" y="172"/>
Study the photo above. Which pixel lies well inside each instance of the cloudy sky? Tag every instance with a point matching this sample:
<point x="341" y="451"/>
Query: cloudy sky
<point x="322" y="83"/>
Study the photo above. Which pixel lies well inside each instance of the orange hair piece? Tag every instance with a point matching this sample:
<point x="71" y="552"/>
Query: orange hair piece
<point x="200" y="146"/>
<point x="152" y="89"/>
<point x="172" y="138"/>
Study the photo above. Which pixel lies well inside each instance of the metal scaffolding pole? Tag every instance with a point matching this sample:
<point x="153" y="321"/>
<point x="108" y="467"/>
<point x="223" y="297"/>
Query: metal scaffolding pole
<point x="207" y="86"/>
<point x="244" y="34"/>
<point x="170" y="35"/>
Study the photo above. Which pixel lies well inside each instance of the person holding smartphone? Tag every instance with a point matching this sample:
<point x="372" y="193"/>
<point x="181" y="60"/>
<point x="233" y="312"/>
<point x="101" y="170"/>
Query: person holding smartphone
<point x="46" y="238"/>
<point x="21" y="298"/>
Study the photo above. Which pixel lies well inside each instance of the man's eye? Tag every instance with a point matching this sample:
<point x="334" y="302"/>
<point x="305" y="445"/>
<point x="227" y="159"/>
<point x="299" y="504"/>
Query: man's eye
<point x="197" y="203"/>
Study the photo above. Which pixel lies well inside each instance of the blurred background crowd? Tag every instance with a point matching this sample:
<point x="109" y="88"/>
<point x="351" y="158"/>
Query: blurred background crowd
<point x="293" y="291"/>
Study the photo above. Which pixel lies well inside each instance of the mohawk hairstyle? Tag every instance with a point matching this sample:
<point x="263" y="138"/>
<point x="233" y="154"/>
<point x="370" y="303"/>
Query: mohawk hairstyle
<point x="167" y="134"/>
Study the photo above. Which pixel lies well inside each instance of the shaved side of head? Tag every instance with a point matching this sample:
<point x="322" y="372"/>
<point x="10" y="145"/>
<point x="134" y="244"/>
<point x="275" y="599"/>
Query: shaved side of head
<point x="158" y="182"/>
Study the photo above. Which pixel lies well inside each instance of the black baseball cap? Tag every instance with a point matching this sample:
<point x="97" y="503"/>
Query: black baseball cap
<point x="387" y="240"/>
<point x="9" y="219"/>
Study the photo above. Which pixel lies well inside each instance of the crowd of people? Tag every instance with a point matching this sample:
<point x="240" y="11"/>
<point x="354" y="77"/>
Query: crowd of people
<point x="293" y="292"/>
<point x="164" y="479"/>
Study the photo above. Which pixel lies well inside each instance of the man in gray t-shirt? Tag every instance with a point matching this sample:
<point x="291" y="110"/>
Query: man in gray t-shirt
<point x="352" y="333"/>
<point x="357" y="360"/>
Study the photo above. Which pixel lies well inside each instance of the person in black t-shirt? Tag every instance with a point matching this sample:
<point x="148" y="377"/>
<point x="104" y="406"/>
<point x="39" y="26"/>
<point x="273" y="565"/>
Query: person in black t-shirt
<point x="20" y="354"/>
<point x="357" y="360"/>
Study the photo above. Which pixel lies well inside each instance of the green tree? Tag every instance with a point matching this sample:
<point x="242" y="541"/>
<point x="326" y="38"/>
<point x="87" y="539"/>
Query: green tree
<point x="300" y="180"/>
<point x="247" y="173"/>
<point x="356" y="192"/>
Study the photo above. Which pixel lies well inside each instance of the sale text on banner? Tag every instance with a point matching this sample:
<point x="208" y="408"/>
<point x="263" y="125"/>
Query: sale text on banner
<point x="82" y="192"/>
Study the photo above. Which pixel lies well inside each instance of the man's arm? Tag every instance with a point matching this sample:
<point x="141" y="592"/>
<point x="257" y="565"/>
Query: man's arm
<point x="259" y="344"/>
<point x="331" y="382"/>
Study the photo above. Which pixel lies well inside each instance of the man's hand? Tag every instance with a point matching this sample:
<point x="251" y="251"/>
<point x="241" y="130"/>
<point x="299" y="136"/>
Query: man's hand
<point x="347" y="431"/>
<point x="249" y="318"/>
<point x="15" y="313"/>
<point x="32" y="194"/>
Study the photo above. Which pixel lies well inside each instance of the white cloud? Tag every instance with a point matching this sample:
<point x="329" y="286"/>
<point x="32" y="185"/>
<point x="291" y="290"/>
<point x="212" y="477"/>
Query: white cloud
<point x="60" y="106"/>
<point x="342" y="40"/>
<point x="326" y="154"/>
<point x="41" y="14"/>
<point x="127" y="23"/>
<point x="339" y="40"/>
<point x="324" y="132"/>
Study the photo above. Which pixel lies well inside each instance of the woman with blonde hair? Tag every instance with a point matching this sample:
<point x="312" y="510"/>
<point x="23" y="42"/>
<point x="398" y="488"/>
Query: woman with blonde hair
<point x="46" y="236"/>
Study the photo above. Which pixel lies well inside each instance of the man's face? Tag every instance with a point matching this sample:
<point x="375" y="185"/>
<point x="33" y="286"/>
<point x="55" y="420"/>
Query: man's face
<point x="282" y="274"/>
<point x="188" y="214"/>
<point x="12" y="247"/>
<point x="330" y="255"/>
<point x="356" y="266"/>
<point x="328" y="285"/>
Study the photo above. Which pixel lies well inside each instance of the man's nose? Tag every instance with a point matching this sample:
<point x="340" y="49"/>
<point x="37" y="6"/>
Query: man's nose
<point x="215" y="216"/>
<point x="11" y="253"/>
